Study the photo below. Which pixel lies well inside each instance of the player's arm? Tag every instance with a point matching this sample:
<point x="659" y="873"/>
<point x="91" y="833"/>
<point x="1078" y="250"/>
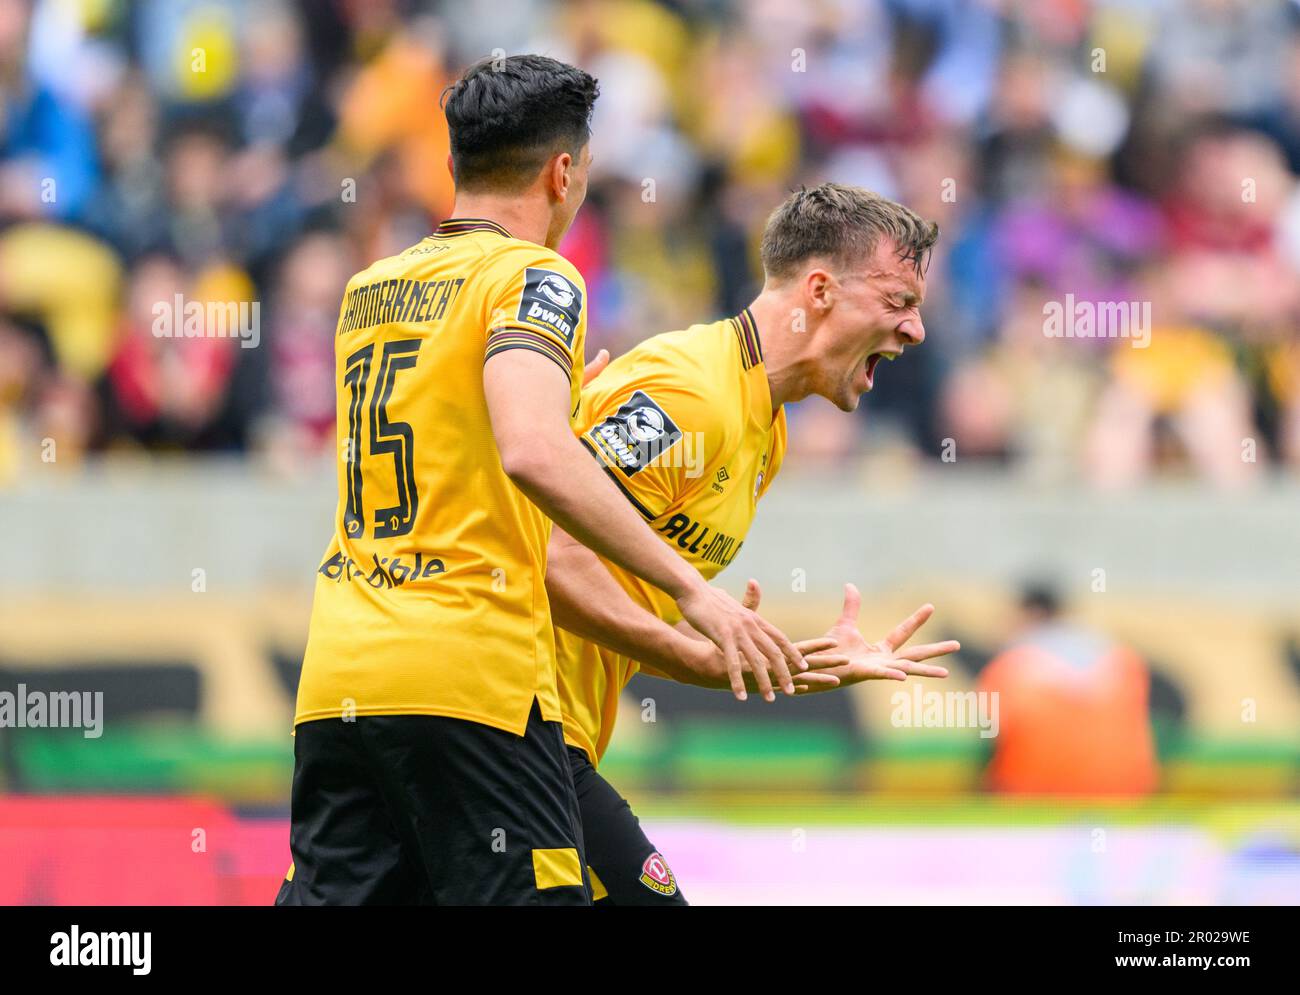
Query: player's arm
<point x="535" y="331"/>
<point x="587" y="601"/>
<point x="528" y="400"/>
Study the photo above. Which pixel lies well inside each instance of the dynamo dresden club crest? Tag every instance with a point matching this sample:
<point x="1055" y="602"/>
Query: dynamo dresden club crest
<point x="656" y="875"/>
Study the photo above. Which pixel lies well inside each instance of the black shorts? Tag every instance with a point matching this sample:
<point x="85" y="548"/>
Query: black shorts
<point x="626" y="867"/>
<point x="422" y="809"/>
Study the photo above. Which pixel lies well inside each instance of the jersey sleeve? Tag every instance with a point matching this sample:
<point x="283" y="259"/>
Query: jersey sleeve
<point x="538" y="302"/>
<point x="658" y="438"/>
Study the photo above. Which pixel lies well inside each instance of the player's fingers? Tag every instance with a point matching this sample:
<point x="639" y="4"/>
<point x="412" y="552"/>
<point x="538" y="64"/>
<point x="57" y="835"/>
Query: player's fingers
<point x="791" y="655"/>
<point x="593" y="369"/>
<point x="820" y="680"/>
<point x="882" y="673"/>
<point x="927" y="650"/>
<point x="905" y="629"/>
<point x="807" y="646"/>
<point x="777" y="662"/>
<point x="852" y="604"/>
<point x="821" y="661"/>
<point x="753" y="595"/>
<point x="924" y="670"/>
<point x="735" y="670"/>
<point x="800" y="689"/>
<point x="813" y="687"/>
<point x="757" y="662"/>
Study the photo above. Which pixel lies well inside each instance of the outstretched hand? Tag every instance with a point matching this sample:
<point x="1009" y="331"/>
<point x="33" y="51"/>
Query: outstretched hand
<point x="820" y="654"/>
<point x="886" y="659"/>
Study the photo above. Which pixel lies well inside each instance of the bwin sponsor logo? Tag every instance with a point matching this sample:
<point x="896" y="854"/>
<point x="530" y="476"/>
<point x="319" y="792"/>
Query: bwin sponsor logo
<point x="553" y="318"/>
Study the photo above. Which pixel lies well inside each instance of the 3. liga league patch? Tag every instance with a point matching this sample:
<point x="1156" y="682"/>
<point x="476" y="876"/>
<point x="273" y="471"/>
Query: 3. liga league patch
<point x="637" y="434"/>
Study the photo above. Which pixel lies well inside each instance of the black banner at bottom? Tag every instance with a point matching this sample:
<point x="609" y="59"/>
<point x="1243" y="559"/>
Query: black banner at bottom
<point x="913" y="944"/>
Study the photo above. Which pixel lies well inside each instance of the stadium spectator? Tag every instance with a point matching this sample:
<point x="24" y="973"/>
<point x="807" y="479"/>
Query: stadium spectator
<point x="1073" y="709"/>
<point x="1105" y="152"/>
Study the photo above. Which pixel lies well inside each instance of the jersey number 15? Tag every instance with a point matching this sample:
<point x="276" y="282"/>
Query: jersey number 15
<point x="394" y="438"/>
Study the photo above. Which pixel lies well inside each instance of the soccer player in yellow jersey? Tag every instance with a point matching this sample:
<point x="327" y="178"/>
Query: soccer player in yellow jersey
<point x="691" y="426"/>
<point x="429" y="759"/>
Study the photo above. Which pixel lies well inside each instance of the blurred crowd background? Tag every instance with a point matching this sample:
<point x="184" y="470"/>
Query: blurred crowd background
<point x="1143" y="151"/>
<point x="164" y="499"/>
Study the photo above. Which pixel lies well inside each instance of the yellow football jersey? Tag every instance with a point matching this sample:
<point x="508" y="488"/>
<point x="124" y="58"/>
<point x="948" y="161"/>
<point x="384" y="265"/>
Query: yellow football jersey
<point x="431" y="599"/>
<point x="683" y="425"/>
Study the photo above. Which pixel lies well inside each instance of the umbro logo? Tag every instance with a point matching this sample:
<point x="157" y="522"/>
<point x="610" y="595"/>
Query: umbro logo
<point x="721" y="478"/>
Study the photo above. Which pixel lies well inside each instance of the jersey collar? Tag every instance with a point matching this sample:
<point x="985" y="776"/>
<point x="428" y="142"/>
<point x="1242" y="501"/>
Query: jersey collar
<point x="751" y="349"/>
<point x="751" y="359"/>
<point x="463" y="226"/>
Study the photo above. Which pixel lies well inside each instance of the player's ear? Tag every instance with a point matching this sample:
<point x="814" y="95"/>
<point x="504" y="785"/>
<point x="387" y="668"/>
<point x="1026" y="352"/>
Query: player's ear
<point x="819" y="290"/>
<point x="451" y="168"/>
<point x="559" y="174"/>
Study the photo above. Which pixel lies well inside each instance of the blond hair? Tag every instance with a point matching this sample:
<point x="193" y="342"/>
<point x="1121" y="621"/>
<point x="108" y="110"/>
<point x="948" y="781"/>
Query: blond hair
<point x="844" y="224"/>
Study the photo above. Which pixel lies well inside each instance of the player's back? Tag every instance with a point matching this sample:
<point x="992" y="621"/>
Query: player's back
<point x="431" y="598"/>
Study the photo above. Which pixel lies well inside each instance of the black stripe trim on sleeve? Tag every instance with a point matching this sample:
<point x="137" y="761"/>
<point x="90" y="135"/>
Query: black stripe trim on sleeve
<point x="506" y="346"/>
<point x="500" y="339"/>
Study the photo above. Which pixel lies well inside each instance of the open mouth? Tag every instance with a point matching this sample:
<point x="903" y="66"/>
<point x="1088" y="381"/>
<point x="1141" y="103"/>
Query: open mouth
<point x="872" y="361"/>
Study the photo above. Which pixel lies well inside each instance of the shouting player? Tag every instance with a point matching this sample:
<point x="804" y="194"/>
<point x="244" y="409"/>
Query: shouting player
<point x="429" y="759"/>
<point x="691" y="426"/>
